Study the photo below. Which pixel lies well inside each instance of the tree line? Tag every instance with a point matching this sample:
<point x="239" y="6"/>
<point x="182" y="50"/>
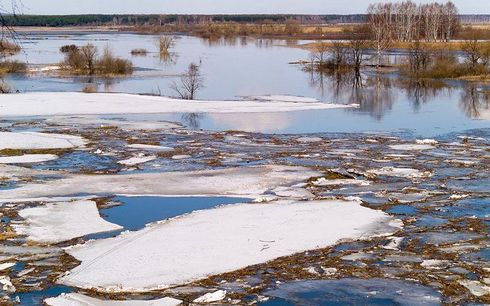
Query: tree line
<point x="407" y="21"/>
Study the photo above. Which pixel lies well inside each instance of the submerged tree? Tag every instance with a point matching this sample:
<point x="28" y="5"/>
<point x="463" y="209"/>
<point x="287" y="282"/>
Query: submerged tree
<point x="190" y="83"/>
<point x="357" y="49"/>
<point x="89" y="56"/>
<point x="419" y="57"/>
<point x="165" y="43"/>
<point x="379" y="19"/>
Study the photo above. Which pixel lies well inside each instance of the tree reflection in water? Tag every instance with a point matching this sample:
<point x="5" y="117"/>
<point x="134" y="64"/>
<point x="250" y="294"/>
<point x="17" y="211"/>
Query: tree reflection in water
<point x="475" y="102"/>
<point x="377" y="93"/>
<point x="419" y="91"/>
<point x="373" y="93"/>
<point x="169" y="58"/>
<point x="191" y="120"/>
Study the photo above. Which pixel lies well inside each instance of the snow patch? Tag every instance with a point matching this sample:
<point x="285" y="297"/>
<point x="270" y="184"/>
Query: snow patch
<point x="32" y="140"/>
<point x="136" y="160"/>
<point x="249" y="182"/>
<point x="76" y="299"/>
<point x="400" y="172"/>
<point x="227" y="238"/>
<point x="211" y="297"/>
<point x="27" y="158"/>
<point x="55" y="104"/>
<point x="412" y="147"/>
<point x="57" y="222"/>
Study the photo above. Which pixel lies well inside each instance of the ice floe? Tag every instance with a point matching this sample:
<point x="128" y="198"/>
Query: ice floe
<point x="219" y="240"/>
<point x="412" y="147"/>
<point x="400" y="172"/>
<point x="33" y="140"/>
<point x="249" y="181"/>
<point x="56" y="222"/>
<point x="76" y="299"/>
<point x="136" y="160"/>
<point x="211" y="297"/>
<point x="27" y="158"/>
<point x="283" y="98"/>
<point x="52" y="104"/>
<point x="149" y="147"/>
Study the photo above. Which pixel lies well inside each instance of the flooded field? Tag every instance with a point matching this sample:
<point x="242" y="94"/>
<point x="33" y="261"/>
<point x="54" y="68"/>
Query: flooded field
<point x="387" y="102"/>
<point x="372" y="195"/>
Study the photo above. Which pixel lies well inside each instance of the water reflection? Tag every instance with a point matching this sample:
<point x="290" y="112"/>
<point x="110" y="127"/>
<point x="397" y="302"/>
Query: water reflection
<point x="168" y="58"/>
<point x="475" y="102"/>
<point x="191" y="120"/>
<point x="420" y="92"/>
<point x="376" y="94"/>
<point x="373" y="93"/>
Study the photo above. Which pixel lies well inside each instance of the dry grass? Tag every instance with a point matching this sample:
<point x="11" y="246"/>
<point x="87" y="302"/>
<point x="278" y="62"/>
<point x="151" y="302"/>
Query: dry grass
<point x="435" y="46"/>
<point x="12" y="67"/>
<point x="89" y="88"/>
<point x="8" y="48"/>
<point x="85" y="61"/>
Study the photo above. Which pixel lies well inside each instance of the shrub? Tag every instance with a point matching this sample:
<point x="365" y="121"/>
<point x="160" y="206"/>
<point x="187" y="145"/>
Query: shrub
<point x="4" y="88"/>
<point x="110" y="65"/>
<point x="8" y="48"/>
<point x="139" y="52"/>
<point x="74" y="60"/>
<point x="89" y="88"/>
<point x="165" y="43"/>
<point x="89" y="56"/>
<point x="68" y="48"/>
<point x="12" y="67"/>
<point x="84" y="60"/>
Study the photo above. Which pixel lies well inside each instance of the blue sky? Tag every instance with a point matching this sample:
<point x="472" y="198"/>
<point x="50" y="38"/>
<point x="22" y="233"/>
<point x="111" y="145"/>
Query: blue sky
<point x="220" y="6"/>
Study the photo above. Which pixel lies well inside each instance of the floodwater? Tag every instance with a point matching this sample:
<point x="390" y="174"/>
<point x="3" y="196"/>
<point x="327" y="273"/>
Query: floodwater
<point x="445" y="213"/>
<point x="352" y="292"/>
<point x="234" y="69"/>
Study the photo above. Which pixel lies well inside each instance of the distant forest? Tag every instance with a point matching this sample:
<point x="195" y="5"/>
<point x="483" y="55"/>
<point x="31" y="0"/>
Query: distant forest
<point x="126" y="20"/>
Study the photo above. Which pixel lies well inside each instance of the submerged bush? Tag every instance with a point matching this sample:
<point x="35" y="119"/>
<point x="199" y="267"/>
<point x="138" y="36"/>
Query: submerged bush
<point x="85" y="60"/>
<point x="9" y="48"/>
<point x="108" y="64"/>
<point x="89" y="88"/>
<point x="141" y="52"/>
<point x="165" y="43"/>
<point x="68" y="48"/>
<point x="4" y="88"/>
<point x="12" y="67"/>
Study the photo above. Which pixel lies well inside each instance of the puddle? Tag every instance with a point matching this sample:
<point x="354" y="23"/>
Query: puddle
<point x="352" y="291"/>
<point x="35" y="298"/>
<point x="135" y="212"/>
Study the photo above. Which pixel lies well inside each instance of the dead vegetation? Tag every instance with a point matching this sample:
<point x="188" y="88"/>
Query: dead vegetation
<point x="85" y="60"/>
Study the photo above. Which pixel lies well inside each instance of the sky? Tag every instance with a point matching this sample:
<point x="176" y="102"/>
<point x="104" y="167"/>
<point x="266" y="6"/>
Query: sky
<point x="52" y="7"/>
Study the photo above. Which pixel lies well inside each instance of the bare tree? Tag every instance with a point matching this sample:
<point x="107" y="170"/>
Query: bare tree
<point x="450" y="20"/>
<point x="379" y="19"/>
<point x="406" y="21"/>
<point x="357" y="48"/>
<point x="165" y="43"/>
<point x="319" y="55"/>
<point x="419" y="57"/>
<point x="190" y="83"/>
<point x="472" y="52"/>
<point x="89" y="55"/>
